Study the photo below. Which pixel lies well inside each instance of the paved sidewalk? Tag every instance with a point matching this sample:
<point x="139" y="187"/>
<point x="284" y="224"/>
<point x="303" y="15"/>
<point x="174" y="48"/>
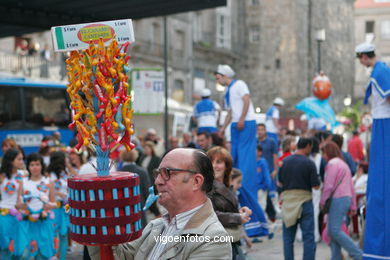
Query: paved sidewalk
<point x="273" y="249"/>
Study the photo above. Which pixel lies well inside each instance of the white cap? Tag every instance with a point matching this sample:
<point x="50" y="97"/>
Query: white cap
<point x="364" y="48"/>
<point x="151" y="131"/>
<point x="279" y="101"/>
<point x="226" y="70"/>
<point x="206" y="92"/>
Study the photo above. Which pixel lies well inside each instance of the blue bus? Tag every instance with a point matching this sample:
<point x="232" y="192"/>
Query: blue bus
<point x="31" y="110"/>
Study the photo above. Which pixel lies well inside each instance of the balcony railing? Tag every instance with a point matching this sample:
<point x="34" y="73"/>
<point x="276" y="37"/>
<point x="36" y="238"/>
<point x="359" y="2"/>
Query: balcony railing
<point x="32" y="66"/>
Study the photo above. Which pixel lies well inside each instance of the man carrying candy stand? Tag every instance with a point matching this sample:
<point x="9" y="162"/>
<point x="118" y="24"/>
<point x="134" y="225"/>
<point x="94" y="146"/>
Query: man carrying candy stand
<point x="190" y="229"/>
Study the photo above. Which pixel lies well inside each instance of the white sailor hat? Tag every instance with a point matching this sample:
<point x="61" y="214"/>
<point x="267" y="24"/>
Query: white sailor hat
<point x="279" y="101"/>
<point x="365" y="48"/>
<point x="206" y="92"/>
<point x="226" y="70"/>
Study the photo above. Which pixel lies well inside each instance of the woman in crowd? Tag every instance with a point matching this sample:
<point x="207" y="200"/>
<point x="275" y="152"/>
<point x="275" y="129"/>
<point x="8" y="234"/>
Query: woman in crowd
<point x="360" y="183"/>
<point x="338" y="180"/>
<point x="75" y="161"/>
<point x="58" y="175"/>
<point x="149" y="159"/>
<point x="289" y="145"/>
<point x="224" y="200"/>
<point x="8" y="143"/>
<point x="236" y="180"/>
<point x="11" y="190"/>
<point x="39" y="200"/>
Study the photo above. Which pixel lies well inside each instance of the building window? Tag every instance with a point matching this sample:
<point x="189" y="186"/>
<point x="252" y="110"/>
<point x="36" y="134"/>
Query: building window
<point x="179" y="40"/>
<point x="385" y="29"/>
<point x="197" y="27"/>
<point x="370" y="26"/>
<point x="178" y="91"/>
<point x="223" y="31"/>
<point x="156" y="33"/>
<point x="370" y="31"/>
<point x="277" y="63"/>
<point x="254" y="34"/>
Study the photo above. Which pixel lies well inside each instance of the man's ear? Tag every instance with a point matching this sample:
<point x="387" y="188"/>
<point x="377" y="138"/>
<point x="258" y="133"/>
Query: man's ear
<point x="198" y="182"/>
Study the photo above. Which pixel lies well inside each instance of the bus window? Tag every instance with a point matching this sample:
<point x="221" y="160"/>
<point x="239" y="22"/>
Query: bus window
<point x="46" y="106"/>
<point x="10" y="107"/>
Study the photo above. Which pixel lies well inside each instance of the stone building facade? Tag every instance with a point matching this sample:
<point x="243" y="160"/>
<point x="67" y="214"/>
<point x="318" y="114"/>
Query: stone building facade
<point x="282" y="50"/>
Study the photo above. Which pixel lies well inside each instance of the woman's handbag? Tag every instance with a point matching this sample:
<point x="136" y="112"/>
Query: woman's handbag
<point x="328" y="201"/>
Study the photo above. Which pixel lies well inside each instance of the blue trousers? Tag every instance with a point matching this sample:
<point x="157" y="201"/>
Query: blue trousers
<point x="306" y="222"/>
<point x="243" y="150"/>
<point x="377" y="231"/>
<point x="338" y="239"/>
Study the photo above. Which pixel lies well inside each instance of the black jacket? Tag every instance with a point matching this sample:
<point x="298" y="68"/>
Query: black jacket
<point x="225" y="205"/>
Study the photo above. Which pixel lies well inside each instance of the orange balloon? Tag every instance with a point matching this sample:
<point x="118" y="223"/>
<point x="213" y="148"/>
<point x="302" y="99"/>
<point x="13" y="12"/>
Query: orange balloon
<point x="322" y="88"/>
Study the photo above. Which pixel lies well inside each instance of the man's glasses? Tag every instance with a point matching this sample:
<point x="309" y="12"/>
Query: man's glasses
<point x="166" y="172"/>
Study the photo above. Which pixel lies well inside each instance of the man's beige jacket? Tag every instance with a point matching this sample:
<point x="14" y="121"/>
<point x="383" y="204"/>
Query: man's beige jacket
<point x="203" y="223"/>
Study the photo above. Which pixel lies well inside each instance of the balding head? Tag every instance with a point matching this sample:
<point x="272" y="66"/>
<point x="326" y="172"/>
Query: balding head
<point x="185" y="176"/>
<point x="196" y="160"/>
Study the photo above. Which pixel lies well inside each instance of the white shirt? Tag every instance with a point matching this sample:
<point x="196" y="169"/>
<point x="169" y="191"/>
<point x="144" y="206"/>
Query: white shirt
<point x="380" y="105"/>
<point x="360" y="184"/>
<point x="9" y="192"/>
<point x="269" y="123"/>
<point x="60" y="185"/>
<point x="171" y="229"/>
<point x="39" y="190"/>
<point x="207" y="118"/>
<point x="236" y="93"/>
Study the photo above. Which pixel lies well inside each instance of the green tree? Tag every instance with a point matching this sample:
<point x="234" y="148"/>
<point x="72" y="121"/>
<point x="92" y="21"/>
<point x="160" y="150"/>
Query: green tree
<point x="354" y="114"/>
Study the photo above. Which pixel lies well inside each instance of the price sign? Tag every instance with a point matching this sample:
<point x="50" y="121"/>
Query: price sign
<point x="78" y="36"/>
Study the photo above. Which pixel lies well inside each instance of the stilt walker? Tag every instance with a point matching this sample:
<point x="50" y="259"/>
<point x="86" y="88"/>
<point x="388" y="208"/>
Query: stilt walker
<point x="243" y="144"/>
<point x="377" y="233"/>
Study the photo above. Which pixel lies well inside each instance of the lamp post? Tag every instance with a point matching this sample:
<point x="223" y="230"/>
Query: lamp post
<point x="320" y="37"/>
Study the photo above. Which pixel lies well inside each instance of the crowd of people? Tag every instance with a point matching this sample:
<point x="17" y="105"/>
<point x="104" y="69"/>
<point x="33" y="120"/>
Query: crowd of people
<point x="208" y="186"/>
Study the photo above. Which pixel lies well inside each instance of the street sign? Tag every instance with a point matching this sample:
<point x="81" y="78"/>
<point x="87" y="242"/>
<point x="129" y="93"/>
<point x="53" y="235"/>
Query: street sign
<point x="78" y="36"/>
<point x="148" y="91"/>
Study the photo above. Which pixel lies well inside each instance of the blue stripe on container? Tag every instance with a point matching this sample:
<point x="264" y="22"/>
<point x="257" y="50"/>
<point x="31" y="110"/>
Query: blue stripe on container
<point x="102" y="211"/>
<point x="126" y="192"/>
<point x="116" y="210"/>
<point x="127" y="210"/>
<point x="93" y="212"/>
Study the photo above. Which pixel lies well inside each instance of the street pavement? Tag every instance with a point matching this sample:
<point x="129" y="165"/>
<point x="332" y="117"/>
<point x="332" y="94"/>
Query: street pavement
<point x="273" y="249"/>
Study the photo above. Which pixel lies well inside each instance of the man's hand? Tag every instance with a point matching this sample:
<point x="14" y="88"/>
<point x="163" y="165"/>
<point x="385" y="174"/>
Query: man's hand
<point x="241" y="124"/>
